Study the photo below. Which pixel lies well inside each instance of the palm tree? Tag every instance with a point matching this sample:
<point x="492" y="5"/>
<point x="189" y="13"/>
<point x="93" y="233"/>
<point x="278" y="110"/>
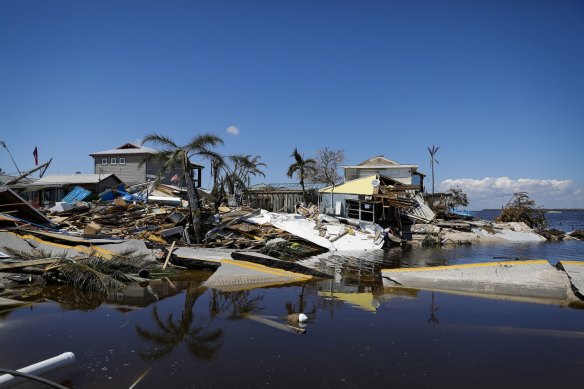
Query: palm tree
<point x="236" y="176"/>
<point x="433" y="159"/>
<point x="301" y="167"/>
<point x="244" y="166"/>
<point x="173" y="155"/>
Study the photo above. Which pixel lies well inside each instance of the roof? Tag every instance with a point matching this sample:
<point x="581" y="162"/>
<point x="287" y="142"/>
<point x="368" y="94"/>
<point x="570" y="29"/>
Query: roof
<point x="364" y="185"/>
<point x="380" y="167"/>
<point x="126" y="149"/>
<point x="74" y="179"/>
<point x="6" y="178"/>
<point x="359" y="186"/>
<point x="378" y="162"/>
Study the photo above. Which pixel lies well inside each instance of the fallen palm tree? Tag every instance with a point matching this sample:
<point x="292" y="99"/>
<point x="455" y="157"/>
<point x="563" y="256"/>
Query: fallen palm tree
<point x="96" y="274"/>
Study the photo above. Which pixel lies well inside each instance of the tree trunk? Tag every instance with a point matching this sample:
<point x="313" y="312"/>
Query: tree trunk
<point x="332" y="205"/>
<point x="303" y="192"/>
<point x="432" y="176"/>
<point x="193" y="201"/>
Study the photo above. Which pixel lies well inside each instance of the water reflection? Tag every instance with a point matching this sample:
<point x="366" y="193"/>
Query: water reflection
<point x="433" y="311"/>
<point x="195" y="328"/>
<point x="201" y="341"/>
<point x="235" y="305"/>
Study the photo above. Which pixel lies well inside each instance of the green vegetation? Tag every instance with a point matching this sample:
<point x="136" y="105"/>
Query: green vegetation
<point x="303" y="168"/>
<point x="173" y="155"/>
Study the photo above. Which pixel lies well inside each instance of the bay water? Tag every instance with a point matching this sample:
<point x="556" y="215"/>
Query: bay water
<point x="179" y="334"/>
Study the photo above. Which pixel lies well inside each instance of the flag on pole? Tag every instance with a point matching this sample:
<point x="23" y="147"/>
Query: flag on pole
<point x="35" y="153"/>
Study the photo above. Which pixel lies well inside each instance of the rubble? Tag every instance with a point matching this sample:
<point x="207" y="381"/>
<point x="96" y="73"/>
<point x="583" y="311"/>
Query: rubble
<point x="133" y="234"/>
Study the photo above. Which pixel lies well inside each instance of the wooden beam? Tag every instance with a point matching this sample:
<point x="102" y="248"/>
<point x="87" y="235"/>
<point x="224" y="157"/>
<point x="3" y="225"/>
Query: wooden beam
<point x="21" y="264"/>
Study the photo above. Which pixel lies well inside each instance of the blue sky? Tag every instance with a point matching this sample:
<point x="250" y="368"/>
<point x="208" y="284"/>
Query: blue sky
<point x="498" y="85"/>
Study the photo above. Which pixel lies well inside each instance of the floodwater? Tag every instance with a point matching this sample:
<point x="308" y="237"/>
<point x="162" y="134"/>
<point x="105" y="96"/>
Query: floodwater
<point x="179" y="334"/>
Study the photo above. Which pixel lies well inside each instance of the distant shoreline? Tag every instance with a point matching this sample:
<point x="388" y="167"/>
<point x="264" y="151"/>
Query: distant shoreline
<point x="543" y="209"/>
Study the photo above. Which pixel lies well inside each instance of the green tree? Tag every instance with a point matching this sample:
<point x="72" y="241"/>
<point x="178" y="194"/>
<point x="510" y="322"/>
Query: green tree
<point x="234" y="177"/>
<point x="301" y="167"/>
<point x="458" y="198"/>
<point x="244" y="166"/>
<point x="173" y="155"/>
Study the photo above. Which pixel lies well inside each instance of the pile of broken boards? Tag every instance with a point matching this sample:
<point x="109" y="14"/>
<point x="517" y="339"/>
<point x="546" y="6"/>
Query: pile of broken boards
<point x="119" y="219"/>
<point x="284" y="236"/>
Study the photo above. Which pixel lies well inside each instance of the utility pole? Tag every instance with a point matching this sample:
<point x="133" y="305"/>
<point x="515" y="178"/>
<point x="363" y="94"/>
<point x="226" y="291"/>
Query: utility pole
<point x="14" y="162"/>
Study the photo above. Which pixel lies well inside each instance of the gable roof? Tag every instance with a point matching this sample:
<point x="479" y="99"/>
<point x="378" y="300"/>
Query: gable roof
<point x="377" y="161"/>
<point x="125" y="149"/>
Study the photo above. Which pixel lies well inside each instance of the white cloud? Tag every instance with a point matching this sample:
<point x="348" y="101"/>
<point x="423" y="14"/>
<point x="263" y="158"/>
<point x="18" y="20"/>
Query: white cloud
<point x="233" y="130"/>
<point x="494" y="192"/>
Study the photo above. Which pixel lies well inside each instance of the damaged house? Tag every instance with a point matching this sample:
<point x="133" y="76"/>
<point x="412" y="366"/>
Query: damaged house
<point x="53" y="188"/>
<point x="378" y="190"/>
<point x="125" y="162"/>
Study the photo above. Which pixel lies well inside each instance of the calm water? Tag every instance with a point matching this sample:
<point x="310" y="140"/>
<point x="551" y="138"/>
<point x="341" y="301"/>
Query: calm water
<point x="182" y="335"/>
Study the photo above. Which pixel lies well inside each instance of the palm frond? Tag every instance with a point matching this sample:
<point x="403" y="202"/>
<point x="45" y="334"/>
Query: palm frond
<point x="81" y="276"/>
<point x="292" y="169"/>
<point x="296" y="156"/>
<point x="160" y="140"/>
<point x="202" y="142"/>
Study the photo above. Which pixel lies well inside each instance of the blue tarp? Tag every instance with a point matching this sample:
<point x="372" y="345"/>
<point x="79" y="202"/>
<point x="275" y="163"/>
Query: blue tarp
<point x="461" y="212"/>
<point x="119" y="191"/>
<point x="77" y="194"/>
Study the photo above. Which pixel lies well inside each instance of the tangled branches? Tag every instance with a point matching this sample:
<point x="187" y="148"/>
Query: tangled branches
<point x="522" y="209"/>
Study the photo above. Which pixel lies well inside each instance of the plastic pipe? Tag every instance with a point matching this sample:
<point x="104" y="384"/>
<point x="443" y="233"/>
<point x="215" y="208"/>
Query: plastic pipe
<point x="39" y="368"/>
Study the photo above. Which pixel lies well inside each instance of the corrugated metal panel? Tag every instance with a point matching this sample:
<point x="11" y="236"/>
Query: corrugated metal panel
<point x="422" y="212"/>
<point x="360" y="186"/>
<point x="77" y="194"/>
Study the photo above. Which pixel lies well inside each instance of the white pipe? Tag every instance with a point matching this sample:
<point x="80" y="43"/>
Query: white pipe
<point x="39" y="368"/>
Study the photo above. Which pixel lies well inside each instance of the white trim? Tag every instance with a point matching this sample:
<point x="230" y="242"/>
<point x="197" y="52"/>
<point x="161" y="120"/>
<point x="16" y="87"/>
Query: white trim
<point x="102" y="162"/>
<point x="113" y="161"/>
<point x="379" y="166"/>
<point x="122" y="161"/>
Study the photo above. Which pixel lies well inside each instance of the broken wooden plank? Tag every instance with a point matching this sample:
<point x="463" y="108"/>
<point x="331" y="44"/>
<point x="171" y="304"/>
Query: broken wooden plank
<point x="21" y="264"/>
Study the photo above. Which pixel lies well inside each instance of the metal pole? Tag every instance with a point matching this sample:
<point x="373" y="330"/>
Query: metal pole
<point x="13" y="161"/>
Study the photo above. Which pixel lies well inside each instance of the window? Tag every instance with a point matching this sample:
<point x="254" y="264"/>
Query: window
<point x="104" y="161"/>
<point x="113" y="161"/>
<point x="122" y="161"/>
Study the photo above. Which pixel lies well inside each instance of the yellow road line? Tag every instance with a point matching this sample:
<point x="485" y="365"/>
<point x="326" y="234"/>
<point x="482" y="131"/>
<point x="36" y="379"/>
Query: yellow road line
<point x="469" y="265"/>
<point x="265" y="269"/>
<point x="88" y="250"/>
<point x="573" y="262"/>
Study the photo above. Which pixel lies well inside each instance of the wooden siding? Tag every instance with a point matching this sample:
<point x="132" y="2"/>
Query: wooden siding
<point x="131" y="173"/>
